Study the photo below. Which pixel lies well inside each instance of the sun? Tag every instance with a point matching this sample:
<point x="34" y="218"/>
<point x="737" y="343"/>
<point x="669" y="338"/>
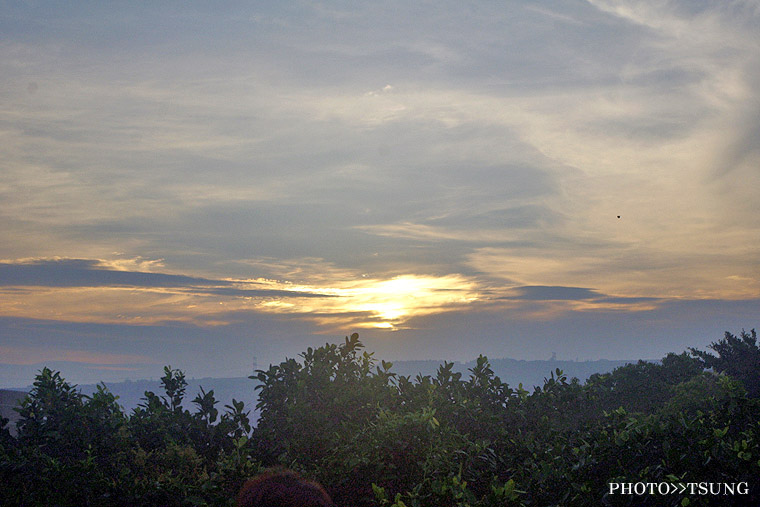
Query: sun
<point x="391" y="302"/>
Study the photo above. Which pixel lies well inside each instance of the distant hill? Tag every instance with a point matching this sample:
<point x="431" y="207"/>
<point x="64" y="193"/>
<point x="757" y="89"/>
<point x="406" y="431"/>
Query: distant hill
<point x="511" y="371"/>
<point x="131" y="393"/>
<point x="517" y="371"/>
<point x="9" y="399"/>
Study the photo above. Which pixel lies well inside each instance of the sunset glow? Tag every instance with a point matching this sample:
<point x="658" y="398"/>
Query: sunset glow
<point x="204" y="185"/>
<point x="375" y="303"/>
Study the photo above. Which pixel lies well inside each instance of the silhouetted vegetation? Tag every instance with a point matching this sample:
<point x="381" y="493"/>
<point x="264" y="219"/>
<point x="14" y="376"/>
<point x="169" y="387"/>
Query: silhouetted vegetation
<point x="374" y="438"/>
<point x="738" y="356"/>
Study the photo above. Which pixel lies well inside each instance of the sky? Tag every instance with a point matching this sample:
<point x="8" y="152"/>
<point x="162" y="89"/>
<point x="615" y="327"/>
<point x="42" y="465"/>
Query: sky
<point x="199" y="185"/>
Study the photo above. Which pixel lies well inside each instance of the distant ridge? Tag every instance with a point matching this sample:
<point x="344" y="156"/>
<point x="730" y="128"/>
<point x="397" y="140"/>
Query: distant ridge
<point x="9" y="399"/>
<point x="511" y="371"/>
<point x="517" y="371"/>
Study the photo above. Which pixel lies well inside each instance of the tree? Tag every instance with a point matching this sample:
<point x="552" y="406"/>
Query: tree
<point x="738" y="356"/>
<point x="69" y="447"/>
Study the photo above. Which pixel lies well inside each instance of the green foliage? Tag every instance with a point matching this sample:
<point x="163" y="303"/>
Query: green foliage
<point x="303" y="406"/>
<point x="738" y="356"/>
<point x="373" y="438"/>
<point x="447" y="440"/>
<point x="74" y="449"/>
<point x="63" y="436"/>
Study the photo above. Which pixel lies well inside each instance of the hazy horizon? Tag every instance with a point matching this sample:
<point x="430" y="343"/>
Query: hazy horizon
<point x="400" y="367"/>
<point x="197" y="185"/>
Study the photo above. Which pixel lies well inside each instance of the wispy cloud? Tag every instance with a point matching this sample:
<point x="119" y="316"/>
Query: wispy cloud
<point x="547" y="293"/>
<point x="632" y="272"/>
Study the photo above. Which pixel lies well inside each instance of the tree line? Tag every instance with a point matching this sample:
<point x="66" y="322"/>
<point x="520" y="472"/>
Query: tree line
<point x="375" y="438"/>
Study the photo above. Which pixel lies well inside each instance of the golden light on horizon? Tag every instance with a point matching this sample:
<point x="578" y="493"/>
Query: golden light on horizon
<point x="339" y="299"/>
<point x="360" y="303"/>
<point x="395" y="300"/>
<point x="378" y="303"/>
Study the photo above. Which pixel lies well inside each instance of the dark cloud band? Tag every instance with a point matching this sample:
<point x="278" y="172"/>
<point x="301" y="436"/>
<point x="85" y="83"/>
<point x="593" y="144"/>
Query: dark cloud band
<point x="88" y="273"/>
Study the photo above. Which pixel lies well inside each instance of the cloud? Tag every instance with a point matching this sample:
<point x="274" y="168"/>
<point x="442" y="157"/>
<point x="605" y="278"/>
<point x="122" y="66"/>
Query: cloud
<point x="544" y="302"/>
<point x="269" y="293"/>
<point x="544" y="293"/>
<point x="92" y="273"/>
<point x="79" y="290"/>
<point x="622" y="270"/>
<point x="428" y="148"/>
<point x="292" y="162"/>
<point x="89" y="273"/>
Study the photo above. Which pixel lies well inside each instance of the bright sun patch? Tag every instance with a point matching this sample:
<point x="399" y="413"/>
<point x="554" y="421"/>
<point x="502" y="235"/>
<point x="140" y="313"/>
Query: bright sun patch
<point x="383" y="304"/>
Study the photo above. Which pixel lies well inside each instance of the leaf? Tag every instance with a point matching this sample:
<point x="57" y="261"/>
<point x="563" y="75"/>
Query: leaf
<point x="379" y="492"/>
